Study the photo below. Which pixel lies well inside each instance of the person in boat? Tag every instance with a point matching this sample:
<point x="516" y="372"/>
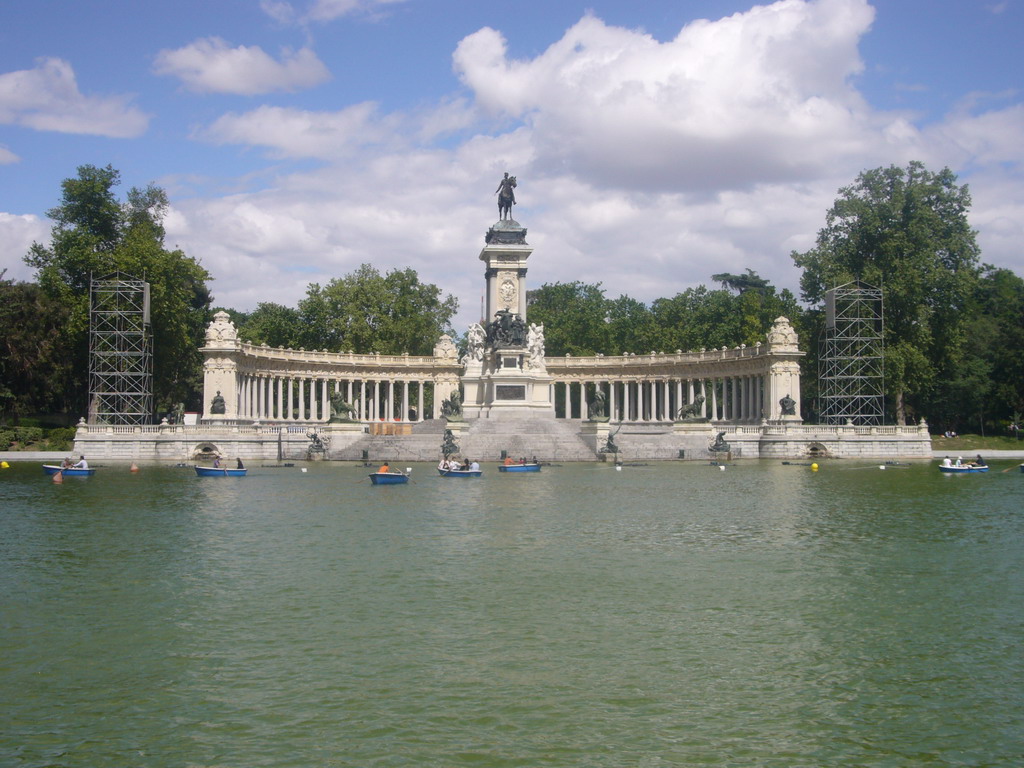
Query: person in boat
<point x="980" y="462"/>
<point x="216" y="462"/>
<point x="959" y="460"/>
<point x="66" y="464"/>
<point x="239" y="463"/>
<point x="384" y="468"/>
<point x="474" y="466"/>
<point x="946" y="462"/>
<point x="534" y="460"/>
<point x="465" y="465"/>
<point x="81" y="463"/>
<point x="508" y="461"/>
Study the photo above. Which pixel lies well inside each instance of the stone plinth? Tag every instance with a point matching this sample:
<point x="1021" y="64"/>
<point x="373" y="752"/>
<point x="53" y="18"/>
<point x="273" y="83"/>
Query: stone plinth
<point x="595" y="434"/>
<point x="456" y="427"/>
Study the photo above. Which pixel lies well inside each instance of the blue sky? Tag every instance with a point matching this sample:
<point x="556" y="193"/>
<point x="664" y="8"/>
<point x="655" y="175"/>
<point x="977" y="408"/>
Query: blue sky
<point x="655" y="143"/>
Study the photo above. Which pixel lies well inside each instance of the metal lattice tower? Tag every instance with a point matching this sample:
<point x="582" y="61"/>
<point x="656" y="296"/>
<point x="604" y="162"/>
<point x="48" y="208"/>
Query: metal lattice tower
<point x="851" y="369"/>
<point x="120" y="351"/>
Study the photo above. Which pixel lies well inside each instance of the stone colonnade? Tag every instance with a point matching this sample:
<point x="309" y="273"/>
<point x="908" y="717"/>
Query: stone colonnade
<point x="296" y="397"/>
<point x="738" y="399"/>
<point x="248" y="382"/>
<point x="739" y="385"/>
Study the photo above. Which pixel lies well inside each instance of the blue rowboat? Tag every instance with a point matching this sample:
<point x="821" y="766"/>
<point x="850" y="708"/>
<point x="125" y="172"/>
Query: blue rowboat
<point x="963" y="469"/>
<point x="519" y="467"/>
<point x="220" y="472"/>
<point x="388" y="478"/>
<point x="459" y="472"/>
<point x="53" y="469"/>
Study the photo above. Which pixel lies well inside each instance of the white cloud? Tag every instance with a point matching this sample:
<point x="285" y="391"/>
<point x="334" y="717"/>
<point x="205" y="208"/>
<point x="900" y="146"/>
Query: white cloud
<point x="17" y="233"/>
<point x="47" y="99"/>
<point x="764" y="95"/>
<point x="211" y="65"/>
<point x="298" y="133"/>
<point x="322" y="10"/>
<point x="7" y="157"/>
<point x="644" y="165"/>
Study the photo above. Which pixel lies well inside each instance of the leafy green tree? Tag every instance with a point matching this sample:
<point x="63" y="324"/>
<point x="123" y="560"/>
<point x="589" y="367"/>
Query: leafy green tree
<point x="750" y="281"/>
<point x="987" y="388"/>
<point x="631" y="327"/>
<point x="272" y="324"/>
<point x="703" y="318"/>
<point x="574" y="317"/>
<point x="904" y="230"/>
<point x="36" y="371"/>
<point x="95" y="235"/>
<point x="368" y="312"/>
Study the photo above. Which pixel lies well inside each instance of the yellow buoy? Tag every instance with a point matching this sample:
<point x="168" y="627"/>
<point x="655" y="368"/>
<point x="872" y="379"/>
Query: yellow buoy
<point x="814" y="467"/>
<point x="4" y="465"/>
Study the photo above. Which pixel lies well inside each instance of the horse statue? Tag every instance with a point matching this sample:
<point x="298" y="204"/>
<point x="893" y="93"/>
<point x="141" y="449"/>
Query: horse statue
<point x="451" y="408"/>
<point x="691" y="410"/>
<point x="506" y="196"/>
<point x="341" y="410"/>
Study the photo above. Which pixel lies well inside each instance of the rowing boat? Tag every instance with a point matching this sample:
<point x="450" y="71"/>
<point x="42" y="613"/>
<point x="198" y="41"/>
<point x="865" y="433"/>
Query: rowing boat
<point x="53" y="469"/>
<point x="220" y="472"/>
<point x="519" y="467"/>
<point x="388" y="478"/>
<point x="459" y="472"/>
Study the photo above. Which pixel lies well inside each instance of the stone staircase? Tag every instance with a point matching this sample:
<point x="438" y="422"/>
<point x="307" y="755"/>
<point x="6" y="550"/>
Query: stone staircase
<point x="546" y="438"/>
<point x="484" y="440"/>
<point x="424" y="444"/>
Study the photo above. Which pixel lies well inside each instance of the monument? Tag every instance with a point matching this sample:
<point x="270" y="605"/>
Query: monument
<point x="505" y="373"/>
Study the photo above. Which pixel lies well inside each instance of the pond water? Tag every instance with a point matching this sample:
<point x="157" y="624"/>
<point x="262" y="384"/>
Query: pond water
<point x="662" y="615"/>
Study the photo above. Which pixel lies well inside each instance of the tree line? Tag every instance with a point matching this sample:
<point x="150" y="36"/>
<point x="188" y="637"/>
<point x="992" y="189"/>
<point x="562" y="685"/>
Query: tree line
<point x="954" y="326"/>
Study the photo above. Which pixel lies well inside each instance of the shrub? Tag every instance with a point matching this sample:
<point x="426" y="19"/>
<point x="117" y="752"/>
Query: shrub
<point x="25" y="435"/>
<point x="6" y="438"/>
<point x="60" y="439"/>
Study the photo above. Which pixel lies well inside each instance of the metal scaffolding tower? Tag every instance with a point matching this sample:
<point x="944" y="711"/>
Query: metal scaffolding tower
<point x="120" y="351"/>
<point x="851" y="369"/>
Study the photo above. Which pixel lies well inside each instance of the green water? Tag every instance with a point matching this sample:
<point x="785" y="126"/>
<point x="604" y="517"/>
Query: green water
<point x="763" y="615"/>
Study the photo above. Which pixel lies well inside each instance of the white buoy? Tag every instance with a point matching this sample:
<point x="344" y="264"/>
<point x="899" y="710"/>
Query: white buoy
<point x="881" y="466"/>
<point x="618" y="468"/>
<point x="408" y="470"/>
<point x="721" y="467"/>
<point x="303" y="469"/>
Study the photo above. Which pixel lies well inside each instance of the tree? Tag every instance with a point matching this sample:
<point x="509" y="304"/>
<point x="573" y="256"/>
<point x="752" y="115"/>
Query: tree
<point x="36" y="372"/>
<point x="573" y="315"/>
<point x="751" y="281"/>
<point x="904" y="230"/>
<point x="272" y="324"/>
<point x="367" y="312"/>
<point x="95" y="235"/>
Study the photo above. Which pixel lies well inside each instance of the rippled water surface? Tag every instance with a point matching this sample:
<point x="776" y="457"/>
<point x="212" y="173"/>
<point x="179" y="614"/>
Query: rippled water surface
<point x="681" y="615"/>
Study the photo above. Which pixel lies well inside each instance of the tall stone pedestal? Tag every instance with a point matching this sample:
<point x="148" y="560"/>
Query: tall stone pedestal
<point x="506" y="377"/>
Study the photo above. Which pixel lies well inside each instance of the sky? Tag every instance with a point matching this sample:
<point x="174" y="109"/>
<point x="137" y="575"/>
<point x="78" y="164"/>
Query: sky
<point x="655" y="143"/>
